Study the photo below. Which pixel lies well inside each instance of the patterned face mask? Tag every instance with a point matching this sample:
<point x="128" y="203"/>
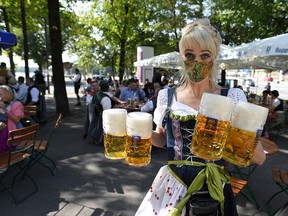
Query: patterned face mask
<point x="197" y="71"/>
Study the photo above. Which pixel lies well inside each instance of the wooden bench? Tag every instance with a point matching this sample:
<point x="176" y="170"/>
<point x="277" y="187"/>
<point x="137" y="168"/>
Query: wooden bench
<point x="40" y="149"/>
<point x="19" y="155"/>
<point x="237" y="185"/>
<point x="30" y="112"/>
<point x="281" y="179"/>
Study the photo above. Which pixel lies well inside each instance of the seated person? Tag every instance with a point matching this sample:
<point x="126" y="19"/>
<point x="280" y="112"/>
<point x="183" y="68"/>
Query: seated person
<point x="33" y="93"/>
<point x="264" y="100"/>
<point x="276" y="113"/>
<point x="100" y="101"/>
<point x="134" y="91"/>
<point x="21" y="94"/>
<point x="11" y="112"/>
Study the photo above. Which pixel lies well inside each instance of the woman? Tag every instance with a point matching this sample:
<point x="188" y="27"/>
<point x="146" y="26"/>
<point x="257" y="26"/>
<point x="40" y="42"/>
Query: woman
<point x="276" y="115"/>
<point x="199" y="47"/>
<point x="11" y="112"/>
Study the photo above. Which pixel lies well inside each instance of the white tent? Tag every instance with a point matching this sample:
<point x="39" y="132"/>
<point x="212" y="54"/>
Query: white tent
<point x="168" y="60"/>
<point x="172" y="59"/>
<point x="268" y="53"/>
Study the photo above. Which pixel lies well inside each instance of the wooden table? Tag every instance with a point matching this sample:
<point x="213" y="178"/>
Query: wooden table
<point x="129" y="109"/>
<point x="269" y="146"/>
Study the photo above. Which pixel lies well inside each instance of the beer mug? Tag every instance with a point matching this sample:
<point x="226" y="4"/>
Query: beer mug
<point x="114" y="125"/>
<point x="246" y="127"/>
<point x="211" y="129"/>
<point x="139" y="139"/>
<point x="129" y="102"/>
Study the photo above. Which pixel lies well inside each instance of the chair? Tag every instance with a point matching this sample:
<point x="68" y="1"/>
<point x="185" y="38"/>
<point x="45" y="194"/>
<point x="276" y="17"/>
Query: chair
<point x="31" y="115"/>
<point x="237" y="185"/>
<point x="243" y="174"/>
<point x="21" y="148"/>
<point x="40" y="149"/>
<point x="281" y="179"/>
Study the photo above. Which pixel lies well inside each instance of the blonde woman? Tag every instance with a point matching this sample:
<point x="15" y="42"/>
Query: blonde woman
<point x="175" y="117"/>
<point x="11" y="112"/>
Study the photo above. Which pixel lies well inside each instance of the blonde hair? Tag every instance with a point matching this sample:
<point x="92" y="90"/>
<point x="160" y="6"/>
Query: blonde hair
<point x="203" y="35"/>
<point x="8" y="90"/>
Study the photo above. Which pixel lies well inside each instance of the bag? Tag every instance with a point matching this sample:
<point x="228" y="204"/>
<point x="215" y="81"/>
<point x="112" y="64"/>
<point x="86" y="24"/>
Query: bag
<point x="202" y="204"/>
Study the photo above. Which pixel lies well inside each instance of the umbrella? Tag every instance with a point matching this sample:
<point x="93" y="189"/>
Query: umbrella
<point x="7" y="40"/>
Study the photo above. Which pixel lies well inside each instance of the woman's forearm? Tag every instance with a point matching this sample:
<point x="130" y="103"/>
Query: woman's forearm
<point x="158" y="138"/>
<point x="259" y="155"/>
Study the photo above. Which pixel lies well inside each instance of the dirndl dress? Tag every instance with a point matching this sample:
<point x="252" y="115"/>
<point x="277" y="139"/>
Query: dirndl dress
<point x="172" y="181"/>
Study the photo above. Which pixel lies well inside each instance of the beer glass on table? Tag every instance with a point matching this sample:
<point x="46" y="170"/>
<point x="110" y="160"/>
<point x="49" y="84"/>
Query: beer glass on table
<point x="246" y="127"/>
<point x="129" y="102"/>
<point x="139" y="139"/>
<point x="114" y="125"/>
<point x="211" y="129"/>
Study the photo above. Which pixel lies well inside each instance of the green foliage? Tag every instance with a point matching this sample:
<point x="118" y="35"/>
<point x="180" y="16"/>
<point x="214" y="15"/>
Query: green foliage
<point x="244" y="20"/>
<point x="107" y="32"/>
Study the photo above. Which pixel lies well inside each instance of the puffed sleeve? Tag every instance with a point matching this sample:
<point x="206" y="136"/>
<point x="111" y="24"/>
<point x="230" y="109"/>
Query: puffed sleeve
<point x="237" y="95"/>
<point x="160" y="110"/>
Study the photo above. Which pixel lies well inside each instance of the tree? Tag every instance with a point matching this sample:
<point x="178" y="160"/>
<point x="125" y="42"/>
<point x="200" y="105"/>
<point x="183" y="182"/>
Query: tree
<point x="3" y="7"/>
<point x="246" y="20"/>
<point x="62" y="105"/>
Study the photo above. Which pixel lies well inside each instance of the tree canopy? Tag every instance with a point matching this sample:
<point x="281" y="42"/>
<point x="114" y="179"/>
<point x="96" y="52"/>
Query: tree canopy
<point x="106" y="32"/>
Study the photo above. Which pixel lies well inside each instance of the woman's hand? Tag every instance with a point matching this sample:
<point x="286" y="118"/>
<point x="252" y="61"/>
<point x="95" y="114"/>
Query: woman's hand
<point x="3" y="107"/>
<point x="259" y="155"/>
<point x="159" y="137"/>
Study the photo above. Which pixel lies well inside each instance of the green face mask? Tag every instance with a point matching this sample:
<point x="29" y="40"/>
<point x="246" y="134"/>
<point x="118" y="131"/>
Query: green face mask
<point x="197" y="71"/>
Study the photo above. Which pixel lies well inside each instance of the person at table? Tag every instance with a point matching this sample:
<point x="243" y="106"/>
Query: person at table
<point x="100" y="101"/>
<point x="265" y="98"/>
<point x="5" y="72"/>
<point x="276" y="114"/>
<point x="21" y="94"/>
<point x="175" y="117"/>
<point x="90" y="122"/>
<point x="11" y="112"/>
<point x="33" y="93"/>
<point x="133" y="91"/>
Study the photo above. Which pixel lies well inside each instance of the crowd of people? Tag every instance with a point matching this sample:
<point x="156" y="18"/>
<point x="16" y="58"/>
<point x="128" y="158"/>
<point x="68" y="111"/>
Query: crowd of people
<point x="107" y="93"/>
<point x="14" y="95"/>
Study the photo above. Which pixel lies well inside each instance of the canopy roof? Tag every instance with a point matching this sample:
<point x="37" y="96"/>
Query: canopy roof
<point x="268" y="53"/>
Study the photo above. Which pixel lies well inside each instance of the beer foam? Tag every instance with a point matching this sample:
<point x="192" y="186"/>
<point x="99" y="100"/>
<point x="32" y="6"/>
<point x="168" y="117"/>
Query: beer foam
<point x="216" y="106"/>
<point x="140" y="124"/>
<point x="249" y="117"/>
<point x="114" y="121"/>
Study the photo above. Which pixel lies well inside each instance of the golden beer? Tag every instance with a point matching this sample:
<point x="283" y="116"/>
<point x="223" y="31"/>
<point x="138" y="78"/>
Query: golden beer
<point x="138" y="151"/>
<point x="114" y="146"/>
<point x="129" y="102"/>
<point x="138" y="142"/>
<point x="114" y="126"/>
<point x="209" y="137"/>
<point x="246" y="128"/>
<point x="240" y="146"/>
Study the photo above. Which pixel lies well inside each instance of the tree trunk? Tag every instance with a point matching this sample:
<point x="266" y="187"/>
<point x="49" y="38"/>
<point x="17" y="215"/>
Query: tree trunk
<point x="25" y="37"/>
<point x="60" y="94"/>
<point x="10" y="53"/>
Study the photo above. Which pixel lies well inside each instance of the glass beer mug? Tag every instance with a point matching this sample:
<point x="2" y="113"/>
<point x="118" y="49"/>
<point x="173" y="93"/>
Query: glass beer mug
<point x="211" y="129"/>
<point x="246" y="127"/>
<point x="114" y="125"/>
<point x="139" y="139"/>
